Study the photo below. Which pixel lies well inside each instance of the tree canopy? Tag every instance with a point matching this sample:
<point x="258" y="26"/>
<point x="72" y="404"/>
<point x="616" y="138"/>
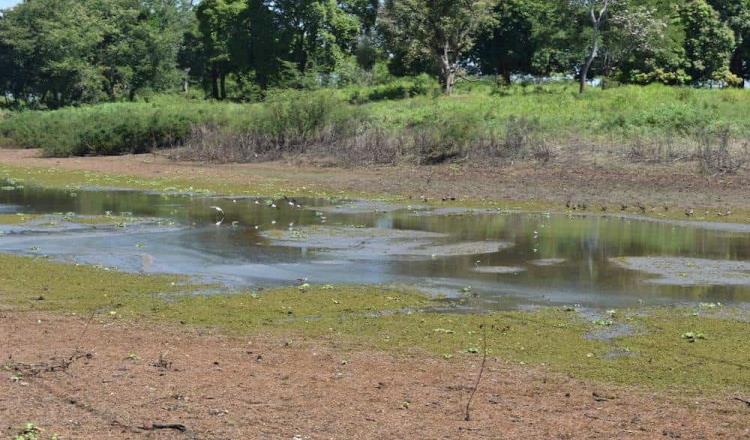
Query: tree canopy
<point x="66" y="52"/>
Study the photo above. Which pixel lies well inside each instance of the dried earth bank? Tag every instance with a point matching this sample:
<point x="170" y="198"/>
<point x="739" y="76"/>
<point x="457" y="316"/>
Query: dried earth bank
<point x="141" y="375"/>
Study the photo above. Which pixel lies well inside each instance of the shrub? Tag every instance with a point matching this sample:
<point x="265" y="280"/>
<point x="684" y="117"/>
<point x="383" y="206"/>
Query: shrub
<point x="444" y="137"/>
<point x="521" y="139"/>
<point x="108" y="129"/>
<point x="398" y="89"/>
<point x="681" y="118"/>
<point x="291" y="121"/>
<point x="371" y="145"/>
<point x="715" y="155"/>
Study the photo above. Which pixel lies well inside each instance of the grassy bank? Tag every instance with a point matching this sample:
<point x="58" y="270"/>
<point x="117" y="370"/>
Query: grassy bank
<point x="656" y="353"/>
<point x="371" y="126"/>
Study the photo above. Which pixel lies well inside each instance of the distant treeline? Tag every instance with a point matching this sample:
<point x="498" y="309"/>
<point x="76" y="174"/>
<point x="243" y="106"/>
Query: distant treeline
<point x="55" y="53"/>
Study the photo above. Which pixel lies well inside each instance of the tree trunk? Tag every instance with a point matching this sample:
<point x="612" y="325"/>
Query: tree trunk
<point x="214" y="82"/>
<point x="447" y="70"/>
<point x="596" y="22"/>
<point x="506" y="75"/>
<point x="736" y="66"/>
<point x="585" y="69"/>
<point x="450" y="81"/>
<point x="223" y="83"/>
<point x="592" y="55"/>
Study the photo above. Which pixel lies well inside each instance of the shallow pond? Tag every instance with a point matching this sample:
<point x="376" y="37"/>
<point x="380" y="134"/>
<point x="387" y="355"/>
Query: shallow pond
<point x="506" y="260"/>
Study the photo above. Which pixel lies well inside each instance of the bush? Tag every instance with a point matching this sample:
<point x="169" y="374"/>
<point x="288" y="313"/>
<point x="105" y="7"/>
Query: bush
<point x="399" y="89"/>
<point x="108" y="129"/>
<point x="292" y="120"/>
<point x="444" y="137"/>
<point x="680" y="118"/>
<point x="521" y="139"/>
<point x="289" y="122"/>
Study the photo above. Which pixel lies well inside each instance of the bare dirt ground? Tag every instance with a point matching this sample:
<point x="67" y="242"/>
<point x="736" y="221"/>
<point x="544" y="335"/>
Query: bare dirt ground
<point x="138" y="376"/>
<point x="578" y="177"/>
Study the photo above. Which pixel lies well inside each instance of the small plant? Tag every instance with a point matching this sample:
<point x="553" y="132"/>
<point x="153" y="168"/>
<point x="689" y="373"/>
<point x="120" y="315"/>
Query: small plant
<point x="162" y="363"/>
<point x="30" y="432"/>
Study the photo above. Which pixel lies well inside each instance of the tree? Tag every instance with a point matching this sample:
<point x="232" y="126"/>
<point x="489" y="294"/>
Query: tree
<point x="709" y="43"/>
<point x="635" y="42"/>
<point x="736" y="15"/>
<point x="597" y="11"/>
<point x="316" y="33"/>
<point x="441" y="30"/>
<point x="61" y="52"/>
<point x="509" y="45"/>
<point x="365" y="10"/>
<point x="221" y="30"/>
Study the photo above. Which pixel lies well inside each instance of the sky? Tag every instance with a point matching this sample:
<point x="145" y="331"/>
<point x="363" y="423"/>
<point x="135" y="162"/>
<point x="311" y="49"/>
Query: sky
<point x="8" y="3"/>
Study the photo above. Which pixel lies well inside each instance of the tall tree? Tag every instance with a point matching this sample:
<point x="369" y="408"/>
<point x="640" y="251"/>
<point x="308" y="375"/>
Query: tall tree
<point x="736" y="14"/>
<point x="636" y="41"/>
<point x="509" y="44"/>
<point x="316" y="33"/>
<point x="221" y="28"/>
<point x="709" y="43"/>
<point x="60" y="52"/>
<point x="365" y="10"/>
<point x="442" y="30"/>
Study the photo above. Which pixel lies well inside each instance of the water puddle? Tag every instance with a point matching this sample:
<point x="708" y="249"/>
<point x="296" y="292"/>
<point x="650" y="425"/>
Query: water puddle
<point x="502" y="259"/>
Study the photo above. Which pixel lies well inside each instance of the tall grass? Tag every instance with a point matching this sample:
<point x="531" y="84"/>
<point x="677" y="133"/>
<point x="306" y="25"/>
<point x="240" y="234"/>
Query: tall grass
<point x="401" y="120"/>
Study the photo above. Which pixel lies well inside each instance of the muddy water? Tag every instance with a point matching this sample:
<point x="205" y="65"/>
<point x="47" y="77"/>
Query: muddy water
<point x="506" y="260"/>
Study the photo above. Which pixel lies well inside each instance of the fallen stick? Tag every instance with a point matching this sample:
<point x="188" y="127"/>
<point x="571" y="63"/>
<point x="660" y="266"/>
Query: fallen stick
<point x="746" y="402"/>
<point x="154" y="426"/>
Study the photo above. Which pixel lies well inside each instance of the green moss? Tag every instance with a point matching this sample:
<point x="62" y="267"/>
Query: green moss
<point x="371" y="317"/>
<point x="55" y="220"/>
<point x="16" y="219"/>
<point x="661" y="354"/>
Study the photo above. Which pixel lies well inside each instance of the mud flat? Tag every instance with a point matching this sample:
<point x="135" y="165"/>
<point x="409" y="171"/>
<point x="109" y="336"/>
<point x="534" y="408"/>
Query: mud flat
<point x="500" y="270"/>
<point x="681" y="271"/>
<point x="544" y="262"/>
<point x="374" y="242"/>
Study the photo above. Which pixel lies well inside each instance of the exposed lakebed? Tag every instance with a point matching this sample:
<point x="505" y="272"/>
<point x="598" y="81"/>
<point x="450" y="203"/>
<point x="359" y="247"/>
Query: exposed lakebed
<point x="504" y="259"/>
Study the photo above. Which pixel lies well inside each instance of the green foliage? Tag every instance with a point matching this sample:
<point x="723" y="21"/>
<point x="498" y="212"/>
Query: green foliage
<point x="444" y="136"/>
<point x="441" y="30"/>
<point x="399" y="89"/>
<point x="291" y="119"/>
<point x="64" y="52"/>
<point x="110" y="128"/>
<point x="428" y="127"/>
<point x="708" y="43"/>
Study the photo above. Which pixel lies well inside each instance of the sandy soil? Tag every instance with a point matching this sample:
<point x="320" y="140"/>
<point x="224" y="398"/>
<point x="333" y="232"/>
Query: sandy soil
<point x="578" y="177"/>
<point x="222" y="387"/>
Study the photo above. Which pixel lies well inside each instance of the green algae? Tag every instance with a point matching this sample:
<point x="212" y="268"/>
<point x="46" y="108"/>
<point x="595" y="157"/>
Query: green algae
<point x="405" y="322"/>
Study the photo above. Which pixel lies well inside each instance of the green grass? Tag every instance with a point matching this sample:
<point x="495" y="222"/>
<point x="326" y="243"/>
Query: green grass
<point x="398" y="321"/>
<point x="291" y="119"/>
<point x="113" y="128"/>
